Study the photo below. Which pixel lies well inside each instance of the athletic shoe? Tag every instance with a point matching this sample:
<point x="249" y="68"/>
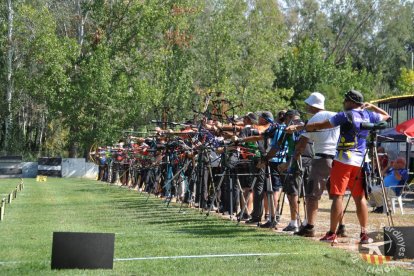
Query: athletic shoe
<point x="379" y="210"/>
<point x="364" y="239"/>
<point x="252" y="221"/>
<point x="341" y="232"/>
<point x="245" y="216"/>
<point x="269" y="224"/>
<point x="329" y="237"/>
<point x="291" y="228"/>
<point x="277" y="219"/>
<point x="305" y="232"/>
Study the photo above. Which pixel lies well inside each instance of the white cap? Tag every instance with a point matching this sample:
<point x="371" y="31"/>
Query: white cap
<point x="317" y="100"/>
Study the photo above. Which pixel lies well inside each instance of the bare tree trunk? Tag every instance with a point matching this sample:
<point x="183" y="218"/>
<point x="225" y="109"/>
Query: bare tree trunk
<point x="42" y="130"/>
<point x="73" y="149"/>
<point x="82" y="20"/>
<point x="9" y="64"/>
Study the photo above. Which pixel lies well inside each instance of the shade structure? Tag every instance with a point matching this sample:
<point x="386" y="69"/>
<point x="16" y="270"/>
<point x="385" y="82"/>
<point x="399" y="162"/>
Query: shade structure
<point x="391" y="135"/>
<point x="406" y="128"/>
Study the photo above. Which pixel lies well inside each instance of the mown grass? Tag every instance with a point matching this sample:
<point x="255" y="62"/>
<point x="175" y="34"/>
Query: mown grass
<point x="145" y="229"/>
<point x="7" y="186"/>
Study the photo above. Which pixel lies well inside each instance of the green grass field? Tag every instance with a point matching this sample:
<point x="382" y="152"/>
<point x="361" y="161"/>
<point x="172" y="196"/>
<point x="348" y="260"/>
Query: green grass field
<point x="7" y="186"/>
<point x="149" y="229"/>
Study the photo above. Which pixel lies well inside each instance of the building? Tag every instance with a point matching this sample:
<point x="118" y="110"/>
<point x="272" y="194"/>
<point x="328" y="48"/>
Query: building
<point x="401" y="108"/>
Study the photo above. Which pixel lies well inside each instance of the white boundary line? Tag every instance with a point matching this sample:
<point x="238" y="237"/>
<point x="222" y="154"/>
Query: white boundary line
<point x="202" y="256"/>
<point x="178" y="257"/>
<point x="11" y="262"/>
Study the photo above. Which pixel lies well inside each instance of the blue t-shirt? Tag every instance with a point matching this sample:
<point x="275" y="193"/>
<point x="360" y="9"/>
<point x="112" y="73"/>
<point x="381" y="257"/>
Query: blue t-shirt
<point x="391" y="181"/>
<point x="352" y="140"/>
<point x="102" y="157"/>
<point x="281" y="150"/>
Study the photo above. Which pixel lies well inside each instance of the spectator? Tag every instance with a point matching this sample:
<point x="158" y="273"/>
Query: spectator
<point x="383" y="158"/>
<point x="395" y="175"/>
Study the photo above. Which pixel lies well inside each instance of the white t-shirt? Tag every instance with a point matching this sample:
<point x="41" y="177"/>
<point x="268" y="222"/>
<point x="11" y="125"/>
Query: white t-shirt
<point x="325" y="140"/>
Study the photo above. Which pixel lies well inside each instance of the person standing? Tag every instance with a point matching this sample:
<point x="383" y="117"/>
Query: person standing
<point x="346" y="169"/>
<point x="264" y="119"/>
<point x="297" y="170"/>
<point x="276" y="157"/>
<point x="324" y="143"/>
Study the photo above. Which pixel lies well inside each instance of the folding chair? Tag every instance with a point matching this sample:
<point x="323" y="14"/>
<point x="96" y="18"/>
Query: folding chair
<point x="399" y="197"/>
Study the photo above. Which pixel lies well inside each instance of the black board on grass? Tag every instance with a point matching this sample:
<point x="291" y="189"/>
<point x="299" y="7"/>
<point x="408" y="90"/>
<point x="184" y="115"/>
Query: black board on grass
<point x="74" y="250"/>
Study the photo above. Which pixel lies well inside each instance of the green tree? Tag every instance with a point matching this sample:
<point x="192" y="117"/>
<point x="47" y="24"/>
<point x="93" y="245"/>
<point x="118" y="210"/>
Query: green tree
<point x="40" y="75"/>
<point x="261" y="42"/>
<point x="405" y="82"/>
<point x="306" y="69"/>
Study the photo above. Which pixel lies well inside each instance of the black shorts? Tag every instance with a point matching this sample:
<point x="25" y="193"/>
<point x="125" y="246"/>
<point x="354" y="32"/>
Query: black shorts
<point x="244" y="171"/>
<point x="275" y="177"/>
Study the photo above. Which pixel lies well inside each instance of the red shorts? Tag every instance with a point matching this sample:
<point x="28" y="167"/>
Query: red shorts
<point x="346" y="176"/>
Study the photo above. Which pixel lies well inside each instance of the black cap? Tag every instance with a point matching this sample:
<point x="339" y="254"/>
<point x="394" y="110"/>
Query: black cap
<point x="267" y="115"/>
<point x="252" y="116"/>
<point x="281" y="113"/>
<point x="354" y="96"/>
<point x="292" y="112"/>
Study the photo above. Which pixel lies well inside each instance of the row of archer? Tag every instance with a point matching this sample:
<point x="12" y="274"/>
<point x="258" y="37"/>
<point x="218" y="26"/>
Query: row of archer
<point x="188" y="165"/>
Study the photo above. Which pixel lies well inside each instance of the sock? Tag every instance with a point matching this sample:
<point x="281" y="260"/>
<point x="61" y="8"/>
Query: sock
<point x="305" y="222"/>
<point x="294" y="223"/>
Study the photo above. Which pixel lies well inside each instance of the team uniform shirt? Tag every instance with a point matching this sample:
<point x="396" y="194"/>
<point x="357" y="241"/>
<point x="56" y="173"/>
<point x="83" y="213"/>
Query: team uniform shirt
<point x="326" y="140"/>
<point x="286" y="150"/>
<point x="352" y="141"/>
<point x="281" y="149"/>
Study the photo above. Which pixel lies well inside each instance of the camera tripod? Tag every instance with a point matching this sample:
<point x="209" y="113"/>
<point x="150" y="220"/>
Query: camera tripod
<point x="203" y="173"/>
<point x="227" y="173"/>
<point x="181" y="178"/>
<point x="375" y="160"/>
<point x="270" y="198"/>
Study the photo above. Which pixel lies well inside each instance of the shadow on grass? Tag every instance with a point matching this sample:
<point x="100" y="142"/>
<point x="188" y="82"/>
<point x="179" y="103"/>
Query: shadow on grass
<point x="154" y="212"/>
<point x="200" y="226"/>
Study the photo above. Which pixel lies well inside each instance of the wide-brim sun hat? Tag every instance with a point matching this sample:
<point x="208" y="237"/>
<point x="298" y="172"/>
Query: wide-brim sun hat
<point x="316" y="100"/>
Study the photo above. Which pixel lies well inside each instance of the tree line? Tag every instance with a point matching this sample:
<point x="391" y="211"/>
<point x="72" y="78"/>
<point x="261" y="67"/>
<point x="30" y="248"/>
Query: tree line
<point x="77" y="72"/>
